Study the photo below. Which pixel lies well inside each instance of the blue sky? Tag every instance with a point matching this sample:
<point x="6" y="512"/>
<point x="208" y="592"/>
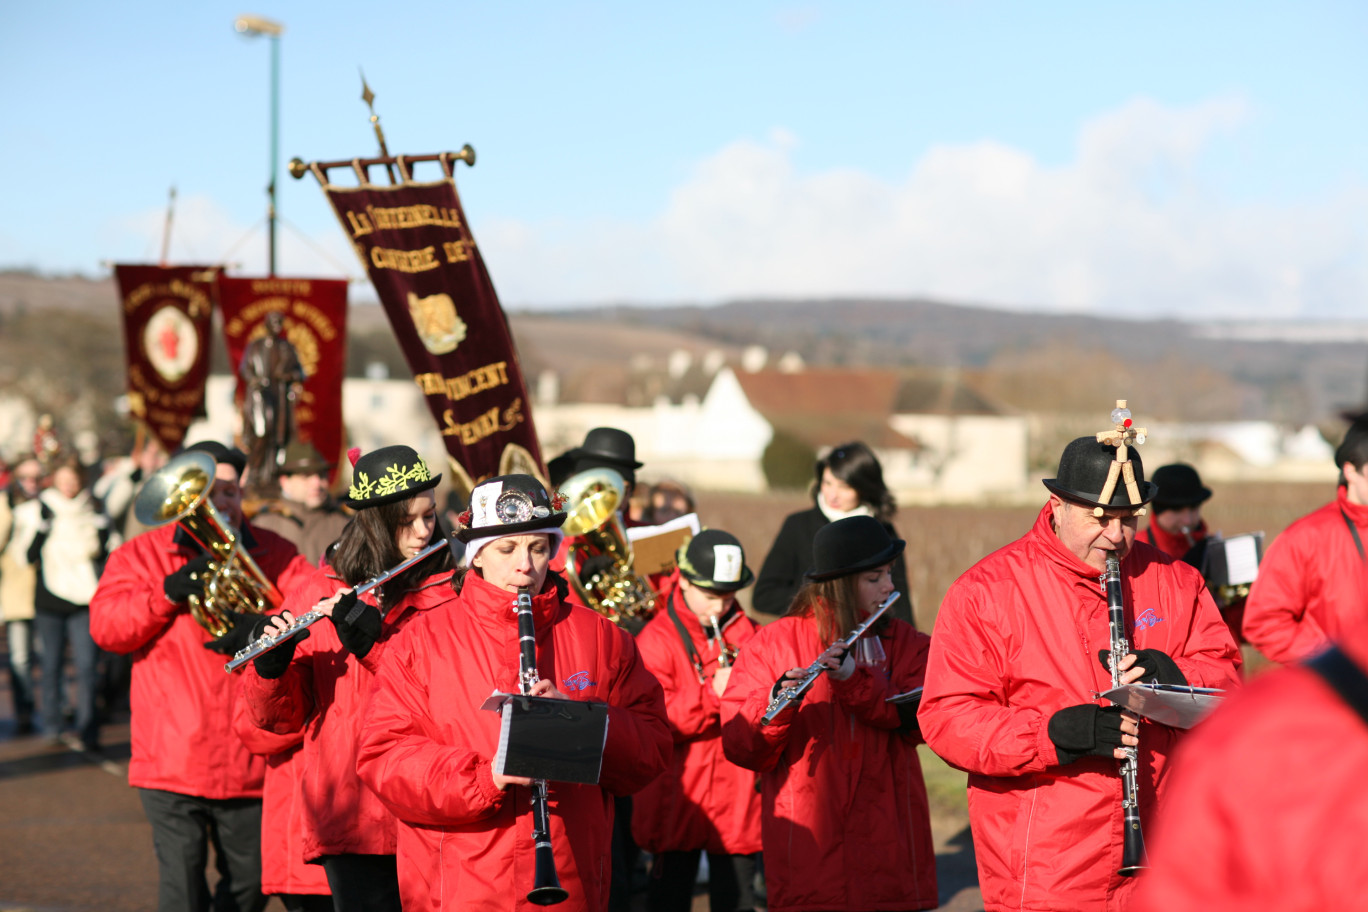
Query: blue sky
<point x="1200" y="160"/>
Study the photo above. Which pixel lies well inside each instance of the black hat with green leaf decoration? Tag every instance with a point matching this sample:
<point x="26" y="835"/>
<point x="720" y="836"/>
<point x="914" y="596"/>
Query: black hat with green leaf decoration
<point x="387" y="475"/>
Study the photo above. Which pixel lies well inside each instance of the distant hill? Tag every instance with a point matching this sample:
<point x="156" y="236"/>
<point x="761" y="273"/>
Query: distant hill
<point x="1048" y="363"/>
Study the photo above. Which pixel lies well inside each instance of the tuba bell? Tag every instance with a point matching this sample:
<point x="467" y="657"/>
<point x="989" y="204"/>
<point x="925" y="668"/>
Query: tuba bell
<point x="234" y="584"/>
<point x="617" y="591"/>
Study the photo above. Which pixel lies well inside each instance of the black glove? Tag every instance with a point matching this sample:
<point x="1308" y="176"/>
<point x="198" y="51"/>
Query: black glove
<point x="357" y="624"/>
<point x="1159" y="668"/>
<point x="245" y="629"/>
<point x="595" y="565"/>
<point x="273" y="664"/>
<point x="188" y="580"/>
<point x="1085" y="730"/>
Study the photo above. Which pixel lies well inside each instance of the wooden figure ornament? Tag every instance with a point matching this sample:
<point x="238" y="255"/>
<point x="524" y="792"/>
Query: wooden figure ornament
<point x="1121" y="435"/>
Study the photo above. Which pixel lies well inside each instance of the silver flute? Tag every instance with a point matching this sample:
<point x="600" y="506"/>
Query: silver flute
<point x="814" y="671"/>
<point x="268" y="641"/>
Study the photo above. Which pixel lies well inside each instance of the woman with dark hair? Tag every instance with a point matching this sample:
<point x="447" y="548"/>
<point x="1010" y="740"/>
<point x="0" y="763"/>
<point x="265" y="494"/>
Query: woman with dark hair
<point x="849" y="482"/>
<point x="428" y="748"/>
<point x="844" y="817"/>
<point x="320" y="686"/>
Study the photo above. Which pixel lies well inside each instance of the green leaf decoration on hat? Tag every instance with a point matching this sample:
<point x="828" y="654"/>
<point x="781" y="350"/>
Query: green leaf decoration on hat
<point x="395" y="479"/>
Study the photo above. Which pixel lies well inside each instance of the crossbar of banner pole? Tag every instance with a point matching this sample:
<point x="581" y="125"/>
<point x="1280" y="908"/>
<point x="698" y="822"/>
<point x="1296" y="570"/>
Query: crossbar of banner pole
<point x="361" y="166"/>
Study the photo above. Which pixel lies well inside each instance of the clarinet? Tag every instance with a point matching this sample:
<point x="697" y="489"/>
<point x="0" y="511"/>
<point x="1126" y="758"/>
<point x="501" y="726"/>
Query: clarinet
<point x="546" y="889"/>
<point x="1133" y="844"/>
<point x="814" y="671"/>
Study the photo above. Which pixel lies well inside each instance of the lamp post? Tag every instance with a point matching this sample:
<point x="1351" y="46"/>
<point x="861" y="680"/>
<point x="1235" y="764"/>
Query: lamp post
<point x="259" y="25"/>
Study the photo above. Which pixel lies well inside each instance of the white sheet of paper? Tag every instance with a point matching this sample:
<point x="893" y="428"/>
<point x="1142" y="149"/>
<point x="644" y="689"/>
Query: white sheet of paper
<point x="1242" y="559"/>
<point x="687" y="521"/>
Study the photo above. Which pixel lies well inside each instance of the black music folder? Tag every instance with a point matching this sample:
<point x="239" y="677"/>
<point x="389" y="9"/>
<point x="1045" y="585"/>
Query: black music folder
<point x="552" y="739"/>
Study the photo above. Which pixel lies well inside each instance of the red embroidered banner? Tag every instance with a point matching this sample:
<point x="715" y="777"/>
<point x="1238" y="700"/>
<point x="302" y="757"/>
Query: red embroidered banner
<point x="166" y="317"/>
<point x="423" y="261"/>
<point x="315" y="315"/>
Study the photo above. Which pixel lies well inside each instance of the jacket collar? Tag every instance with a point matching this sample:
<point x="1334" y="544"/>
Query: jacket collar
<point x="1053" y="552"/>
<point x="1357" y="513"/>
<point x="496" y="607"/>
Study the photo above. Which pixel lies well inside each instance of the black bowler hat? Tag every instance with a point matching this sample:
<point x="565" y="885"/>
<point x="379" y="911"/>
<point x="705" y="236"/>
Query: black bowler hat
<point x="605" y="446"/>
<point x="230" y="455"/>
<point x="850" y="545"/>
<point x="387" y="475"/>
<point x="1083" y="471"/>
<point x="1179" y="486"/>
<point x="510" y="505"/>
<point x="714" y="560"/>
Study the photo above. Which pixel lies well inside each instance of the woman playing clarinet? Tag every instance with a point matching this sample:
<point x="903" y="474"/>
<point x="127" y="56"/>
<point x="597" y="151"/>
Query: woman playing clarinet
<point x="844" y="816"/>
<point x="427" y="747"/>
<point x="318" y="681"/>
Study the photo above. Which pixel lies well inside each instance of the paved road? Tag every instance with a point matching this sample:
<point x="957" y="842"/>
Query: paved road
<point x="73" y="835"/>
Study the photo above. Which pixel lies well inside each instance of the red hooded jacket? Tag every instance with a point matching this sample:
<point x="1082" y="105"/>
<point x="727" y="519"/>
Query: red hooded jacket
<point x="426" y="749"/>
<point x="182" y="701"/>
<point x="1266" y="807"/>
<point x="703" y="801"/>
<point x="1017" y="639"/>
<point x="1312" y="584"/>
<point x="845" y="820"/>
<point x="283" y="869"/>
<point x="324" y="691"/>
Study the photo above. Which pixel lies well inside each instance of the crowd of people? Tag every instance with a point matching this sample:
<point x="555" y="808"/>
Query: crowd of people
<point x="369" y="761"/>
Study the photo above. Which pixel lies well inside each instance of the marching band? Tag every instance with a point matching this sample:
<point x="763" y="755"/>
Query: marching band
<point x="467" y="728"/>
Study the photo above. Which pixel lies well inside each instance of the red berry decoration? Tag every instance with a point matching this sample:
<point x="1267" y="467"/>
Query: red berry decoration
<point x="1126" y="423"/>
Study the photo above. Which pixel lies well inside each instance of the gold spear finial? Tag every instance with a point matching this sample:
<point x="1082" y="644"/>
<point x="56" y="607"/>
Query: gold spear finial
<point x="369" y="98"/>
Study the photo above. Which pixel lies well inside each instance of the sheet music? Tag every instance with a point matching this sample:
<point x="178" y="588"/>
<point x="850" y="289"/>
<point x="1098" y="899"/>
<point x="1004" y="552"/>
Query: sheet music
<point x="1242" y="559"/>
<point x="911" y="696"/>
<point x="1168" y="704"/>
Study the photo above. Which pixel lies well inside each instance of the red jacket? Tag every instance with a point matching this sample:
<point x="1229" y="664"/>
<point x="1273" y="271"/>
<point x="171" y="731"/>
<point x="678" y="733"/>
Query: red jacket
<point x="181" y="698"/>
<point x="845" y="819"/>
<point x="1175" y="546"/>
<point x="324" y="691"/>
<point x="1312" y="584"/>
<point x="703" y="801"/>
<point x="283" y="869"/>
<point x="426" y="748"/>
<point x="1266" y="807"/>
<point x="1017" y="638"/>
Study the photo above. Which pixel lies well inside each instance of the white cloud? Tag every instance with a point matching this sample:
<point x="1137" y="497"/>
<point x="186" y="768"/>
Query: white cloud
<point x="1128" y="227"/>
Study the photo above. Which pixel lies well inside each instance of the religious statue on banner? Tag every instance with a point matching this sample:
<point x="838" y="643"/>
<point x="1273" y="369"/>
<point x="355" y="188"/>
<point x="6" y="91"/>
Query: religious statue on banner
<point x="272" y="375"/>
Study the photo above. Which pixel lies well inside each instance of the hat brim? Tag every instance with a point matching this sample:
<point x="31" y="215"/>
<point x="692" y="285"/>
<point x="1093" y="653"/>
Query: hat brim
<point x="394" y="497"/>
<point x="554" y="521"/>
<point x="579" y="453"/>
<point x="886" y="556"/>
<point x="1119" y="501"/>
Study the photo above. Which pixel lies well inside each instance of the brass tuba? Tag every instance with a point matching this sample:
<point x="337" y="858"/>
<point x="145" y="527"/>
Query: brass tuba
<point x="593" y="497"/>
<point x="179" y="492"/>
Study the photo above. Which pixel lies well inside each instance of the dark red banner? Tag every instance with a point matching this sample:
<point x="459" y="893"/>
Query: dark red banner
<point x="315" y="315"/>
<point x="166" y="317"/>
<point x="433" y="284"/>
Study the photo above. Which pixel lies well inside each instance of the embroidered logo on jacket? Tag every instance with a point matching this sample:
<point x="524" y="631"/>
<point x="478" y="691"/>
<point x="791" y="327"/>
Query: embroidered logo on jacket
<point x="578" y="681"/>
<point x="1147" y="619"/>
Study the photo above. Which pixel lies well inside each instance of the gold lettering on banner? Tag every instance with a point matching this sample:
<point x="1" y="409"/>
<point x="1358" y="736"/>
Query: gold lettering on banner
<point x="457" y="251"/>
<point x="484" y="424"/>
<point x="195" y="297"/>
<point x="404" y="260"/>
<point x="395" y="218"/>
<point x="476" y="380"/>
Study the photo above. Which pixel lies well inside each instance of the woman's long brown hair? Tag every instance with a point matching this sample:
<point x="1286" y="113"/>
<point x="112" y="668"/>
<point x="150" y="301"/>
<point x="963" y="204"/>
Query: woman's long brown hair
<point x="833" y="603"/>
<point x="366" y="548"/>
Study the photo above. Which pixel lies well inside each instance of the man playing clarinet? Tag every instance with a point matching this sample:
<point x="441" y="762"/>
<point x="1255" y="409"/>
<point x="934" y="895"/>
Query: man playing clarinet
<point x="1020" y="654"/>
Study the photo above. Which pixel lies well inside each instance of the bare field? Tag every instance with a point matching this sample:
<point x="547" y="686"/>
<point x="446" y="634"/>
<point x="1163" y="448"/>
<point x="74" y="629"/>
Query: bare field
<point x="943" y="542"/>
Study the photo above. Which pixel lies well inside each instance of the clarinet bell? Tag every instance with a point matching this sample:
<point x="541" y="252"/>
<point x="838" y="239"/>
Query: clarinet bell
<point x="548" y="890"/>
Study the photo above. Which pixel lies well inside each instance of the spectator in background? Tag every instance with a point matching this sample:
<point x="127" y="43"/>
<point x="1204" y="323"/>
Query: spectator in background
<point x="668" y="499"/>
<point x="64" y="534"/>
<point x="849" y="482"/>
<point x="306" y="514"/>
<point x="18" y="581"/>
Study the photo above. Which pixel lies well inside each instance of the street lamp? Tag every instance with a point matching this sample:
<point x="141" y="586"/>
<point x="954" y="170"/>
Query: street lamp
<point x="259" y="25"/>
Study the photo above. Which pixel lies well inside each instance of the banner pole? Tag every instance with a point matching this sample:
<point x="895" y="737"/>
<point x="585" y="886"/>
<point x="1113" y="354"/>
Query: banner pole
<point x="166" y="230"/>
<point x="369" y="98"/>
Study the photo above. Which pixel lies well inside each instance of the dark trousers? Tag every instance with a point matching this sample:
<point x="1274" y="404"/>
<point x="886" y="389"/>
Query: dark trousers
<point x="731" y="880"/>
<point x="54" y="632"/>
<point x="363" y="883"/>
<point x="625" y="853"/>
<point x="183" y="826"/>
<point x="305" y="902"/>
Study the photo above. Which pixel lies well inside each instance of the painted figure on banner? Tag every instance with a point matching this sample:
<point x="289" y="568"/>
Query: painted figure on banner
<point x="272" y="374"/>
